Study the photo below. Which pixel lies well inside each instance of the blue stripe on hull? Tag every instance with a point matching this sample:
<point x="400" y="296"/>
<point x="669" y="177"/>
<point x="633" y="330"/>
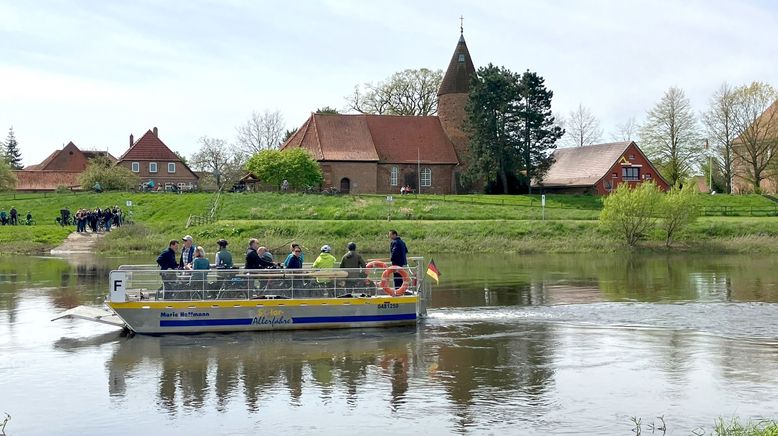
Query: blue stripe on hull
<point x="298" y="320"/>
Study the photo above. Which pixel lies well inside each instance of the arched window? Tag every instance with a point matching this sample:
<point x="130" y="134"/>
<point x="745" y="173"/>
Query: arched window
<point x="394" y="176"/>
<point x="426" y="177"/>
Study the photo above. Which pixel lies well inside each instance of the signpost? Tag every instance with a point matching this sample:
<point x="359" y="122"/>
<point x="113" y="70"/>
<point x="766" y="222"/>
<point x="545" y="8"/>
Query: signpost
<point x="543" y="206"/>
<point x="389" y="201"/>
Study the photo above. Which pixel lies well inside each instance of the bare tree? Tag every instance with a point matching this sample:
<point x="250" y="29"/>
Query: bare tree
<point x="581" y="128"/>
<point x="261" y="132"/>
<point x="626" y="131"/>
<point x="407" y="92"/>
<point x="756" y="122"/>
<point x="670" y="135"/>
<point x="219" y="159"/>
<point x="719" y="122"/>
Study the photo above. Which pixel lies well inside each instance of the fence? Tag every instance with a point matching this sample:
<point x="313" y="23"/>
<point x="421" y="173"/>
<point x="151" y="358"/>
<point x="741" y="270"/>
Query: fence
<point x="209" y="217"/>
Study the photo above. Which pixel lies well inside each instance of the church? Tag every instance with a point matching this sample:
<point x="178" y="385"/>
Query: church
<point x="363" y="154"/>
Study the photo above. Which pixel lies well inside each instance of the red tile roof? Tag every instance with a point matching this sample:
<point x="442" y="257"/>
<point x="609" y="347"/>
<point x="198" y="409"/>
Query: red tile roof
<point x="149" y="147"/>
<point x="43" y="180"/>
<point x="70" y="158"/>
<point x="382" y="138"/>
<point x="459" y="72"/>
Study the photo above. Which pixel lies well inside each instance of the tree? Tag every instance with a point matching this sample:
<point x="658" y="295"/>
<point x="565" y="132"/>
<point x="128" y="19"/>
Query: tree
<point x="219" y="159"/>
<point x="296" y="166"/>
<point x="679" y="209"/>
<point x="261" y="132"/>
<point x="11" y="151"/>
<point x="7" y="177"/>
<point x="110" y="176"/>
<point x="538" y="131"/>
<point x="407" y="92"/>
<point x="719" y="122"/>
<point x="288" y="134"/>
<point x="756" y="123"/>
<point x="626" y="131"/>
<point x="670" y="136"/>
<point x="493" y="125"/>
<point x="327" y="110"/>
<point x="631" y="213"/>
<point x="581" y="128"/>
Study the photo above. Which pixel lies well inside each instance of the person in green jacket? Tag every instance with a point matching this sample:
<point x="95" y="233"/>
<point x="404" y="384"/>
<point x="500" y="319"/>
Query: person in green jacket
<point x="325" y="260"/>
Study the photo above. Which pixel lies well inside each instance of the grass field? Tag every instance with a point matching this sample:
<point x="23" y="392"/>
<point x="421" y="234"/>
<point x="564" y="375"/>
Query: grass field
<point x="472" y="223"/>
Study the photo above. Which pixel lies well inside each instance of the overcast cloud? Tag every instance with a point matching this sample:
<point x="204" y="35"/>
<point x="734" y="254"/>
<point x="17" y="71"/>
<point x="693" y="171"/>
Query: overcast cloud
<point x="93" y="72"/>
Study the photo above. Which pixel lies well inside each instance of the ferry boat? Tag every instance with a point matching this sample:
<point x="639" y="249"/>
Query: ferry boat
<point x="145" y="300"/>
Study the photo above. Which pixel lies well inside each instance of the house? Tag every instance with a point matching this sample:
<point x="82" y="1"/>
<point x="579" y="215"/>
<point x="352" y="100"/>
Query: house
<point x="361" y="153"/>
<point x="598" y="169"/>
<point x="157" y="165"/>
<point x="62" y="168"/>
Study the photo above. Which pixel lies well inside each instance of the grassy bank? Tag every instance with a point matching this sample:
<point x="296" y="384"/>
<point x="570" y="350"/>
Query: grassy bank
<point x="430" y="223"/>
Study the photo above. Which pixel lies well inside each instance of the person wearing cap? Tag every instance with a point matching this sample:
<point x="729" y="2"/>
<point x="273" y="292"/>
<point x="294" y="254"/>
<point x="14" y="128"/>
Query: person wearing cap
<point x="353" y="261"/>
<point x="223" y="257"/>
<point x="187" y="253"/>
<point x="325" y="260"/>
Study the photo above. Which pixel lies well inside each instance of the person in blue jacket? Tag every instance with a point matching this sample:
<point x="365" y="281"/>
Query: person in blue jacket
<point x="167" y="261"/>
<point x="399" y="255"/>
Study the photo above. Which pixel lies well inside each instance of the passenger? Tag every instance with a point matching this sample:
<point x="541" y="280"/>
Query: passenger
<point x="353" y="261"/>
<point x="167" y="261"/>
<point x="294" y="246"/>
<point x="295" y="258"/>
<point x="187" y="253"/>
<point x="252" y="257"/>
<point x="200" y="264"/>
<point x="398" y="252"/>
<point x="325" y="260"/>
<point x="265" y="258"/>
<point x="223" y="257"/>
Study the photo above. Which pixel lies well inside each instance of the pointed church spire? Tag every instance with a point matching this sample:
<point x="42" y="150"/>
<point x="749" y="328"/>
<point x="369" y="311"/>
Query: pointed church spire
<point x="460" y="69"/>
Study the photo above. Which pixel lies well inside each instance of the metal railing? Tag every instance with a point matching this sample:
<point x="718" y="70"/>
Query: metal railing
<point x="145" y="282"/>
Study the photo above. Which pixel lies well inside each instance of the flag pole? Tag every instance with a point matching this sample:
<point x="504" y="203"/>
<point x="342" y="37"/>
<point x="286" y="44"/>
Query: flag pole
<point x="418" y="169"/>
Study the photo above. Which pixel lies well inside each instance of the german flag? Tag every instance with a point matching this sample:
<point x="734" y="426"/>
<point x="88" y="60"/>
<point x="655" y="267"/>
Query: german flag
<point x="433" y="272"/>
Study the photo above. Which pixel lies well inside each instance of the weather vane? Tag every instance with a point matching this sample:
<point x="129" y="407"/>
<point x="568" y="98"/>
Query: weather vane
<point x="461" y="25"/>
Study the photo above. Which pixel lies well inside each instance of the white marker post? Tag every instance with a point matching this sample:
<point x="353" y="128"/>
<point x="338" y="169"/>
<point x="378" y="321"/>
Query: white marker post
<point x="543" y="206"/>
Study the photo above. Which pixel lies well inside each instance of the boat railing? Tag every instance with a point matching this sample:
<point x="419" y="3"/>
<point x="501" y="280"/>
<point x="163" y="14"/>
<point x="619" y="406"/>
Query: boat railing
<point x="140" y="283"/>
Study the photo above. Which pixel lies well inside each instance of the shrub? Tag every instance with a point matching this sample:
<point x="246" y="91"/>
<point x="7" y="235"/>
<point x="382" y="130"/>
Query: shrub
<point x="631" y="213"/>
<point x="680" y="208"/>
<point x="110" y="176"/>
<point x="296" y="166"/>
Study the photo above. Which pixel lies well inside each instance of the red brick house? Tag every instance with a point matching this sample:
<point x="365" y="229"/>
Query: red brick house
<point x="61" y="168"/>
<point x="381" y="153"/>
<point x="152" y="161"/>
<point x="598" y="169"/>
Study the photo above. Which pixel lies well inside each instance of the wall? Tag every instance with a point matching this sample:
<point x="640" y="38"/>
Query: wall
<point x="361" y="174"/>
<point x="442" y="178"/>
<point x="182" y="174"/>
<point x="635" y="157"/>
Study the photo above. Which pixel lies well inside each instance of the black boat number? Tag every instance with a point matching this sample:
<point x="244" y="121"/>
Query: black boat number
<point x="388" y="306"/>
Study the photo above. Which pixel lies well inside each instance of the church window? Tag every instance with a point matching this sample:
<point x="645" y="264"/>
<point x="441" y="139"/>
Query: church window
<point x="393" y="176"/>
<point x="426" y="177"/>
<point x="461" y="58"/>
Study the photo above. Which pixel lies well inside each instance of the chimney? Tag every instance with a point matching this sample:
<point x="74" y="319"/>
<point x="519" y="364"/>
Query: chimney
<point x="132" y="140"/>
<point x="156" y="132"/>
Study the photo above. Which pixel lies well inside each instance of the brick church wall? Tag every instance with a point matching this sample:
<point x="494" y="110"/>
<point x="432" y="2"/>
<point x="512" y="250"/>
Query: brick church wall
<point x="361" y="175"/>
<point x="442" y="178"/>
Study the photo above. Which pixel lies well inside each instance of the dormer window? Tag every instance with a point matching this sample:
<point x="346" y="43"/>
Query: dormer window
<point x="152" y="167"/>
<point x="462" y="58"/>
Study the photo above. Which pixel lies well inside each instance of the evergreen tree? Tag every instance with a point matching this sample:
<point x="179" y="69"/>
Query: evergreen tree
<point x="491" y="111"/>
<point x="539" y="133"/>
<point x="11" y="152"/>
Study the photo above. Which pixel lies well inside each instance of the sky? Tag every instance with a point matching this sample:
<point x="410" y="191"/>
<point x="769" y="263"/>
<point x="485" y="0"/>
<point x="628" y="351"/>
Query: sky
<point x="93" y="72"/>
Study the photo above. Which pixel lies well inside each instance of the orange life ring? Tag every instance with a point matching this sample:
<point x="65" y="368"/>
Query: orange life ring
<point x="374" y="264"/>
<point x="389" y="274"/>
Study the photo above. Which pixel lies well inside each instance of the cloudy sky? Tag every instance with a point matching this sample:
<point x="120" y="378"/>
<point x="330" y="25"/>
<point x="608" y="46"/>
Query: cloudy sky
<point x="93" y="72"/>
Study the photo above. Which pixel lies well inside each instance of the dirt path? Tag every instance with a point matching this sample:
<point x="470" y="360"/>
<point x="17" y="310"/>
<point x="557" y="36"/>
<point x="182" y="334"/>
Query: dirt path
<point x="78" y="243"/>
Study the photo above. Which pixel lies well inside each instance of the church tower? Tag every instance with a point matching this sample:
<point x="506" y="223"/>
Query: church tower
<point x="452" y="97"/>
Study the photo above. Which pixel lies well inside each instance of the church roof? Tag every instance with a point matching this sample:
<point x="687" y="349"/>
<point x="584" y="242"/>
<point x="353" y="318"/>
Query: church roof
<point x="374" y="138"/>
<point x="460" y="70"/>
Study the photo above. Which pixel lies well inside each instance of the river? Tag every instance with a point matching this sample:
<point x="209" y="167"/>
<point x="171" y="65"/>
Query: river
<point x="525" y="345"/>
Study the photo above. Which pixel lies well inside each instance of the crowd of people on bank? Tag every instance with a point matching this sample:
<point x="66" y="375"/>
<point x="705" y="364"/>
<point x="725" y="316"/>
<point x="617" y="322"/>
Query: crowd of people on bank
<point x="95" y="220"/>
<point x="186" y="255"/>
<point x="11" y="218"/>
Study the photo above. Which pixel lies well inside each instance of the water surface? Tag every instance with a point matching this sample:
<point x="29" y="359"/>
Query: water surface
<point x="563" y="344"/>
